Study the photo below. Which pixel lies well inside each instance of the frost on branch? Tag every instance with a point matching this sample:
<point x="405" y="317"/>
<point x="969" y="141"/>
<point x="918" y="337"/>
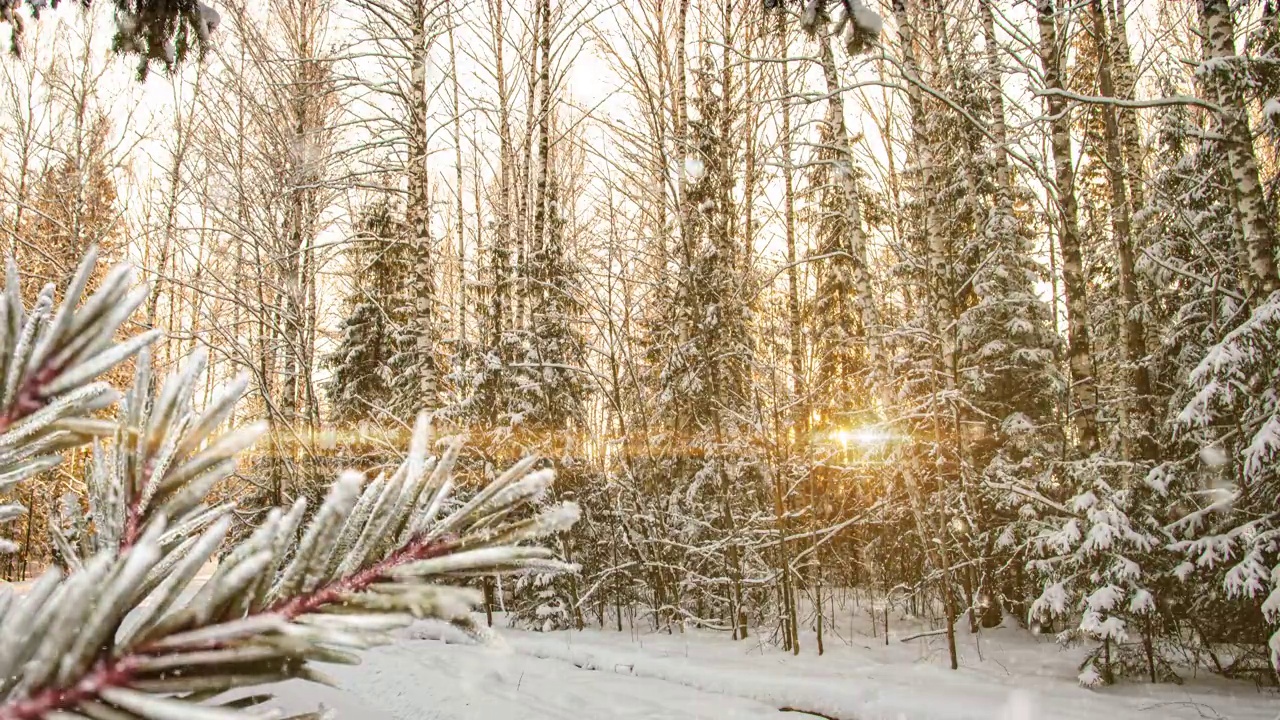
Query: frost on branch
<point x="126" y="631"/>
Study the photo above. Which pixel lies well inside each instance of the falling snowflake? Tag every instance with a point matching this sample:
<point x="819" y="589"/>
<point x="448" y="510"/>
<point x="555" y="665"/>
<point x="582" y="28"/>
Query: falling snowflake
<point x="1213" y="456"/>
<point x="694" y="168"/>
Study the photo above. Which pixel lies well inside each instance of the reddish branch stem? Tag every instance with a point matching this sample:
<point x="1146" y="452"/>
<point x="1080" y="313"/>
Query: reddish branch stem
<point x="133" y="513"/>
<point x="416" y="549"/>
<point x="28" y="399"/>
<point x="106" y="674"/>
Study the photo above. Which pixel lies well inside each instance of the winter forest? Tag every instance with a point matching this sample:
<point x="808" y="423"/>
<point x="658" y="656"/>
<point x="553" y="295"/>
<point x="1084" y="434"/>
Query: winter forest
<point x="951" y="322"/>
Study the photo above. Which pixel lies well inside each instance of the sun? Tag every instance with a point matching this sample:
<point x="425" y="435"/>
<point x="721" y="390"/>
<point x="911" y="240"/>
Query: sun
<point x="866" y="437"/>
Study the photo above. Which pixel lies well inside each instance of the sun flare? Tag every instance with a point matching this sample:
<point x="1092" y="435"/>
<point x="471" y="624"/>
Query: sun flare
<point x="866" y="437"/>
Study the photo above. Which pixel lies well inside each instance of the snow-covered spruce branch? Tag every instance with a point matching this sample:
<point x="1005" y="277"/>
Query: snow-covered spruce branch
<point x="49" y="363"/>
<point x="129" y="632"/>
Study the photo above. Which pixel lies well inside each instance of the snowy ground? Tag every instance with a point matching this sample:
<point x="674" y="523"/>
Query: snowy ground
<point x="433" y="673"/>
<point x="603" y="674"/>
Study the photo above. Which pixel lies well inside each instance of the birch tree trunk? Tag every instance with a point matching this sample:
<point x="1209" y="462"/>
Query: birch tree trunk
<point x="1132" y="328"/>
<point x="1079" y="354"/>
<point x="995" y="99"/>
<point x="795" y="346"/>
<point x="528" y="194"/>
<point x="789" y="222"/>
<point x="460" y="219"/>
<point x="1255" y="216"/>
<point x="1125" y="78"/>
<point x="857" y="241"/>
<point x="500" y="254"/>
<point x="418" y="210"/>
<point x="536" y="268"/>
<point x="682" y="128"/>
<point x="942" y="306"/>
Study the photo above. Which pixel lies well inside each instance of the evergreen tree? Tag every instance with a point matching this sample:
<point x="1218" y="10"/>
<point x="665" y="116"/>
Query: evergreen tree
<point x="835" y="217"/>
<point x="358" y="383"/>
<point x="361" y="364"/>
<point x="1226" y="529"/>
<point x="74" y="206"/>
<point x="702" y="352"/>
<point x="551" y="400"/>
<point x="551" y="394"/>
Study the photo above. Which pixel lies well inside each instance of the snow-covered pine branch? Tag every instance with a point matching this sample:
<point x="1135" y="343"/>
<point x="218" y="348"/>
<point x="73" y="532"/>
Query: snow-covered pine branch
<point x="127" y="631"/>
<point x="49" y="364"/>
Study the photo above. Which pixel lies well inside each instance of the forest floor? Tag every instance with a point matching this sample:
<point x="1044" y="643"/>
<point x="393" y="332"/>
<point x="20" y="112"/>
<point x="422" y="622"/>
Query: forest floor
<point x="432" y="673"/>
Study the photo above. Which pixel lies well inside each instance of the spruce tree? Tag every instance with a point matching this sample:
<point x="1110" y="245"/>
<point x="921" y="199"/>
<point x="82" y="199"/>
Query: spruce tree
<point x="361" y="383"/>
<point x="702" y="351"/>
<point x="1225" y="529"/>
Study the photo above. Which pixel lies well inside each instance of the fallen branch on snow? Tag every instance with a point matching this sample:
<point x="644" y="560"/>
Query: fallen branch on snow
<point x="807" y="712"/>
<point x="917" y="636"/>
